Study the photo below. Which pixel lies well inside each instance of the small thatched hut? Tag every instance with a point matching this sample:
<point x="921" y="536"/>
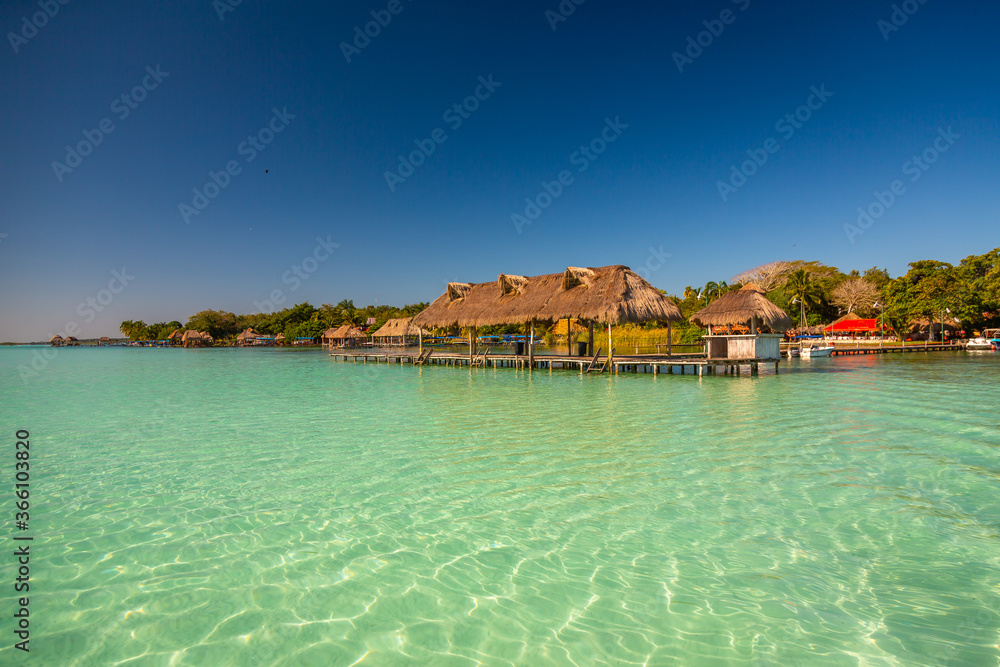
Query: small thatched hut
<point x="279" y="339"/>
<point x="175" y="336"/>
<point x="192" y="338"/>
<point x="56" y="341"/>
<point x="749" y="307"/>
<point x="398" y="331"/>
<point x="71" y="340"/>
<point x="104" y="340"/>
<point x="247" y="337"/>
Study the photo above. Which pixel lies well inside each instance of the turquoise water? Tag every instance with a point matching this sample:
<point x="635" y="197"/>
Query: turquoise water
<point x="258" y="507"/>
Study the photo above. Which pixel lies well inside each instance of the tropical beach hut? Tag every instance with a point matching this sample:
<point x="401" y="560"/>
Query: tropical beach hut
<point x="175" y="336"/>
<point x="192" y="338"/>
<point x="279" y="339"/>
<point x="352" y="337"/>
<point x="398" y="331"/>
<point x="104" y="340"/>
<point x="611" y="295"/>
<point x="327" y="339"/>
<point x="72" y="340"/>
<point x="247" y="337"/>
<point x="56" y="341"/>
<point x="746" y="307"/>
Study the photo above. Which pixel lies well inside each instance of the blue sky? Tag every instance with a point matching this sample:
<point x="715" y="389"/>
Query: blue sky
<point x="650" y="199"/>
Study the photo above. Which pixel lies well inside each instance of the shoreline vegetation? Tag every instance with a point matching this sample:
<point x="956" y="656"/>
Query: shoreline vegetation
<point x="964" y="298"/>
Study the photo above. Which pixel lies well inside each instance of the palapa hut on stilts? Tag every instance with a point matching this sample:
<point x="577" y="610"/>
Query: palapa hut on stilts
<point x="343" y="336"/>
<point x="747" y="307"/>
<point x="247" y="338"/>
<point x="56" y="341"/>
<point x="398" y="331"/>
<point x="610" y="294"/>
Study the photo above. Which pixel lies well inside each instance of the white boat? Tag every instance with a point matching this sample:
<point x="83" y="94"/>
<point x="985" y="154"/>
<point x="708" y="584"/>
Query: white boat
<point x="817" y="351"/>
<point x="990" y="340"/>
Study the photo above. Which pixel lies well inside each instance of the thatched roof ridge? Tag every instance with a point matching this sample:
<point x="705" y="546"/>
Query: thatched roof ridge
<point x="353" y="332"/>
<point x="613" y="294"/>
<point x="510" y="284"/>
<point x="176" y="333"/>
<point x="458" y="291"/>
<point x="399" y="326"/>
<point x="192" y="335"/>
<point x="55" y="338"/>
<point x="739" y="306"/>
<point x="280" y="336"/>
<point x="249" y="334"/>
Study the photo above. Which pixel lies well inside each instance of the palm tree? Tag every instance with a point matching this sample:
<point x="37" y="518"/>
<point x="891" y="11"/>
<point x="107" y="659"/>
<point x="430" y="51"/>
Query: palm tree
<point x="804" y="290"/>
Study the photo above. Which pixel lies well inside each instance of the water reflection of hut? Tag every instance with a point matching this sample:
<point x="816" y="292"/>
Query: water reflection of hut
<point x="747" y="307"/>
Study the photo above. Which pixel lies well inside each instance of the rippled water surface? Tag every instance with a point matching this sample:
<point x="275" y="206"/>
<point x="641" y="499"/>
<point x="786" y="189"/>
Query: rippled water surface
<point x="258" y="507"/>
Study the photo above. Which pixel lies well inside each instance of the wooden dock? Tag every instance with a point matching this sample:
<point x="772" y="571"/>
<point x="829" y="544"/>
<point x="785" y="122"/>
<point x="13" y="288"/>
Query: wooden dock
<point x="654" y="364"/>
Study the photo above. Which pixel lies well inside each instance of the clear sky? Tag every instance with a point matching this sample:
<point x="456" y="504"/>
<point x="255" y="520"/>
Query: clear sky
<point x="310" y="114"/>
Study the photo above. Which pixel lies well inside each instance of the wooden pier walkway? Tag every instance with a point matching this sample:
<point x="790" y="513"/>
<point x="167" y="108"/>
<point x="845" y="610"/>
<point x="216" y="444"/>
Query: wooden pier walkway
<point x="889" y="349"/>
<point x="654" y="364"/>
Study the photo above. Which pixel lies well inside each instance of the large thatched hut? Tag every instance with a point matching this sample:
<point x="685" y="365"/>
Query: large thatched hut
<point x="609" y="294"/>
<point x="398" y="331"/>
<point x="747" y="307"/>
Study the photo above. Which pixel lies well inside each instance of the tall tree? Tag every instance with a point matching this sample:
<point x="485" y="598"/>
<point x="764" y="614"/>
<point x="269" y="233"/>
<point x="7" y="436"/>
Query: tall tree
<point x="855" y="295"/>
<point x="766" y="276"/>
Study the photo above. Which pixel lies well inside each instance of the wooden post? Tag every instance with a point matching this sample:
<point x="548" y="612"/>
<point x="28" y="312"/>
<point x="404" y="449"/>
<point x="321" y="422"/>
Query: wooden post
<point x="472" y="335"/>
<point x="569" y="335"/>
<point x="610" y="348"/>
<point x="670" y="338"/>
<point x="531" y="347"/>
<point x="590" y="339"/>
<point x="420" y="340"/>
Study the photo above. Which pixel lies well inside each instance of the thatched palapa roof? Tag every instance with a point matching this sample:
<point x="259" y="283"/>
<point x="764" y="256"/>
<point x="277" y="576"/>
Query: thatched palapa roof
<point x="176" y="333"/>
<point x="398" y="327"/>
<point x="249" y="334"/>
<point x="55" y="338"/>
<point x="739" y="306"/>
<point x="192" y="335"/>
<point x="344" y="331"/>
<point x="613" y="294"/>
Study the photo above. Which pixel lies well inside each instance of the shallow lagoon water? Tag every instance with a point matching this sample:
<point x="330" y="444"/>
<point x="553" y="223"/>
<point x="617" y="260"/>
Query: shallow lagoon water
<point x="258" y="507"/>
